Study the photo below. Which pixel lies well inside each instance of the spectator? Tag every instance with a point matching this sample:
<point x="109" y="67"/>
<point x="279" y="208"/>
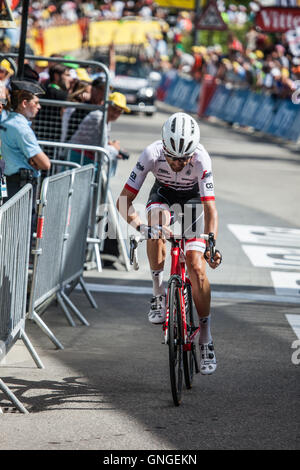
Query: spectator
<point x="96" y="96"/>
<point x="20" y="150"/>
<point x="49" y="119"/>
<point x="89" y="131"/>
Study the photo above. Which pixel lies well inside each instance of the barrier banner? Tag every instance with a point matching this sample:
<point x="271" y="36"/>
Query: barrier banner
<point x="265" y="113"/>
<point x="286" y="123"/>
<point x="250" y="108"/>
<point x="183" y="93"/>
<point x="165" y="84"/>
<point x="234" y="105"/>
<point x="218" y="102"/>
<point x="208" y="88"/>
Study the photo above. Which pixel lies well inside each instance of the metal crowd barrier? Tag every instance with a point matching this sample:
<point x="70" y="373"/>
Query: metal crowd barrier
<point x="15" y="226"/>
<point x="63" y="213"/>
<point x="49" y="125"/>
<point x="102" y="165"/>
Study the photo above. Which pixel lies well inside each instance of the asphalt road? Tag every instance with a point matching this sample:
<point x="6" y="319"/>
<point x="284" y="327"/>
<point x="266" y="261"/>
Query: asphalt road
<point x="109" y="387"/>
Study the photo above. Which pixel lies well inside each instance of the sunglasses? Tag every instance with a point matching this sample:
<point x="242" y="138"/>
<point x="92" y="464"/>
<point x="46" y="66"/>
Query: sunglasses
<point x="181" y="159"/>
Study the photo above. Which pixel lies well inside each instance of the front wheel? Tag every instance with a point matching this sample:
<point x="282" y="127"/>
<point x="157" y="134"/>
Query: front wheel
<point x="175" y="344"/>
<point x="190" y="363"/>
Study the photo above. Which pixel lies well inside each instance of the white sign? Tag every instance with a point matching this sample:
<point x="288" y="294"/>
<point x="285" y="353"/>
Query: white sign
<point x="286" y="283"/>
<point x="293" y="38"/>
<point x="273" y="257"/>
<point x="262" y="235"/>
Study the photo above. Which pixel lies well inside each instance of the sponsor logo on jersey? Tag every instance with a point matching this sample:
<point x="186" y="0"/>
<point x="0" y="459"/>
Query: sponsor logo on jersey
<point x="161" y="170"/>
<point x="209" y="186"/>
<point x="139" y="166"/>
<point x="132" y="176"/>
<point x="205" y="174"/>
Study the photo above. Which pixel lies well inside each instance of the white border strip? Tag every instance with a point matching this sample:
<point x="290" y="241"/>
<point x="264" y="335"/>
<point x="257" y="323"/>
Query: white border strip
<point x="117" y="289"/>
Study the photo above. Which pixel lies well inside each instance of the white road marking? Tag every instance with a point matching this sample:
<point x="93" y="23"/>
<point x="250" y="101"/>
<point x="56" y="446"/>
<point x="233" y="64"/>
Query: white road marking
<point x="294" y="321"/>
<point x="286" y="283"/>
<point x="117" y="289"/>
<point x="261" y="235"/>
<point x="273" y="257"/>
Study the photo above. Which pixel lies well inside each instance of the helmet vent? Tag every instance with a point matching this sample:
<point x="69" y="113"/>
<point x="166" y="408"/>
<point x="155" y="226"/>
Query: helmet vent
<point x="181" y="144"/>
<point x="192" y="127"/>
<point x="173" y="125"/>
<point x="188" y="147"/>
<point x="173" y="144"/>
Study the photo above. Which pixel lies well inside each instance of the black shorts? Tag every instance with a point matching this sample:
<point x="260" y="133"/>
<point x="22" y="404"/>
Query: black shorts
<point x="186" y="212"/>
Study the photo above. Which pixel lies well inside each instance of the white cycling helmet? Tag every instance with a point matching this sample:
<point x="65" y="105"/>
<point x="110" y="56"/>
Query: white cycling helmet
<point x="180" y="135"/>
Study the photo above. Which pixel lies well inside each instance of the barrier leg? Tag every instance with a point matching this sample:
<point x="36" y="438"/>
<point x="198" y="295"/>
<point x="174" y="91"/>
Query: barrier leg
<point x="46" y="330"/>
<point x="98" y="258"/>
<point x="87" y="293"/>
<point x="31" y="350"/>
<point x="75" y="309"/>
<point x="65" y="310"/>
<point x="12" y="397"/>
<point x="114" y="219"/>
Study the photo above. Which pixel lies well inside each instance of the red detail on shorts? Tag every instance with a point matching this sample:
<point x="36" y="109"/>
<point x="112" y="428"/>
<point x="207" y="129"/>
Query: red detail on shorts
<point x="196" y="240"/>
<point x="208" y="198"/>
<point x="131" y="189"/>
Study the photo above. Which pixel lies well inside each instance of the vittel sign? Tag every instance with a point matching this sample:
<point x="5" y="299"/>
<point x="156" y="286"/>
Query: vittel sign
<point x="278" y="19"/>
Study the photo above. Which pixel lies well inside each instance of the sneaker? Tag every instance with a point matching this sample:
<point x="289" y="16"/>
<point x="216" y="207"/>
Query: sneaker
<point x="157" y="314"/>
<point x="208" y="362"/>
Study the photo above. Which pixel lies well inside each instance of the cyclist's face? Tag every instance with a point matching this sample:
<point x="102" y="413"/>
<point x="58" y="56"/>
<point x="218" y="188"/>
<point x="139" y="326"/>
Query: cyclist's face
<point x="178" y="164"/>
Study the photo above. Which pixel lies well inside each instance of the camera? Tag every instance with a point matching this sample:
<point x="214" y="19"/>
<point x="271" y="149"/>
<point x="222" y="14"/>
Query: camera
<point x="124" y="155"/>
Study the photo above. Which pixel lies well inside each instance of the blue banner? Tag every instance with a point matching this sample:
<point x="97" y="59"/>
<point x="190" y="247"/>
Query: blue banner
<point x="234" y="105"/>
<point x="285" y="123"/>
<point x="218" y="102"/>
<point x="250" y="109"/>
<point x="184" y="94"/>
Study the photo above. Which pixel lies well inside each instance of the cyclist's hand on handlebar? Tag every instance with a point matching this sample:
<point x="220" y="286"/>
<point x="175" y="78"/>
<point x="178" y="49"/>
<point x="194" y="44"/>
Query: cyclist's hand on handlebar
<point x="217" y="259"/>
<point x="154" y="231"/>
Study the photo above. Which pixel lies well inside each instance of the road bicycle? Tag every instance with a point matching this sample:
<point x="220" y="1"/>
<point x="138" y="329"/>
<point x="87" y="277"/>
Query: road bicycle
<point x="180" y="332"/>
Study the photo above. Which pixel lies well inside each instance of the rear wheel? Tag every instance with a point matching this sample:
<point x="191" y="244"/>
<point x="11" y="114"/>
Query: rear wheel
<point x="190" y="363"/>
<point x="175" y="344"/>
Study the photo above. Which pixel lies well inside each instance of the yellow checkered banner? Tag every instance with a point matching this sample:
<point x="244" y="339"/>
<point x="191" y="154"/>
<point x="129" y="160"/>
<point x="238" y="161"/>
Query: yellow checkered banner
<point x="60" y="39"/>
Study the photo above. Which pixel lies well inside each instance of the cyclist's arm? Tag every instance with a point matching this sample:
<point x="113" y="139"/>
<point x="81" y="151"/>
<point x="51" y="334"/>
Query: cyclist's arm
<point x="210" y="217"/>
<point x="126" y="208"/>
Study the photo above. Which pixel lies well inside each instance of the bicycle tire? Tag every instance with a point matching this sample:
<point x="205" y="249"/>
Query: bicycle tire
<point x="190" y="364"/>
<point x="175" y="344"/>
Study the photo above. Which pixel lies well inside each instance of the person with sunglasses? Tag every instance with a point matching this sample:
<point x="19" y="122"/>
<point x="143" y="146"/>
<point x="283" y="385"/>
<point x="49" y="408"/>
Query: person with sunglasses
<point x="183" y="177"/>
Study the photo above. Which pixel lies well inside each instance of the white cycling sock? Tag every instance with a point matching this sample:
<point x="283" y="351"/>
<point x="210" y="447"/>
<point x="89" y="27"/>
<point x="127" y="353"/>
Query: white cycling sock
<point x="158" y="282"/>
<point x="205" y="334"/>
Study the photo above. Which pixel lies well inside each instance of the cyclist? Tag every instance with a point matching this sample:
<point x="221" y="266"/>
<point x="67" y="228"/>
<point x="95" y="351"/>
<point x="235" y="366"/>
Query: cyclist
<point x="183" y="172"/>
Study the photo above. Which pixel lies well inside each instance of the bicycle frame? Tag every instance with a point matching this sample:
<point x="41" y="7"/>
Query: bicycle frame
<point x="178" y="275"/>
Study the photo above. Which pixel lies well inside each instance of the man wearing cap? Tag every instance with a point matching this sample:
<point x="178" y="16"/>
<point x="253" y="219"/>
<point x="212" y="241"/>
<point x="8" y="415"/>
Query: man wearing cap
<point x="89" y="130"/>
<point x="19" y="147"/>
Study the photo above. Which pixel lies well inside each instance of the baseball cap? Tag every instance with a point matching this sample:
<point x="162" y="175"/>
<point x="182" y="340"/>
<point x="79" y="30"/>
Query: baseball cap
<point x="119" y="100"/>
<point x="27" y="85"/>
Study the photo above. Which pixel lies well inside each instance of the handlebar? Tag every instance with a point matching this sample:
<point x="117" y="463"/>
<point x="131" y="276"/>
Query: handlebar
<point x="135" y="240"/>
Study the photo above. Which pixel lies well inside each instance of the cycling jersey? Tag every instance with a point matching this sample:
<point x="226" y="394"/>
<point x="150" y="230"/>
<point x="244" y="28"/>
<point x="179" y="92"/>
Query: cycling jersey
<point x="195" y="176"/>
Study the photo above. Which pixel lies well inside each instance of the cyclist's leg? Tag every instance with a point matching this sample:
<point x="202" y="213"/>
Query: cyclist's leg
<point x="196" y="266"/>
<point x="158" y="214"/>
